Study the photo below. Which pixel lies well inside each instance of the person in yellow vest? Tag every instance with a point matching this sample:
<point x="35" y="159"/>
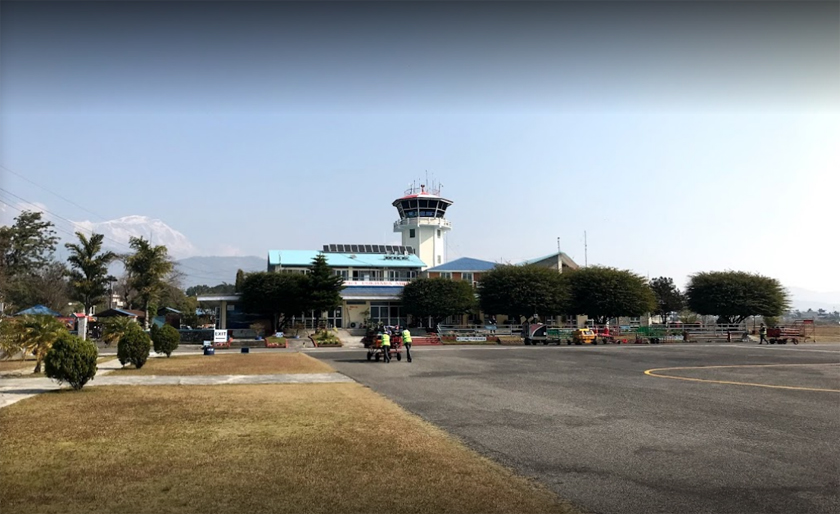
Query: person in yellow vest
<point x="406" y="340"/>
<point x="386" y="346"/>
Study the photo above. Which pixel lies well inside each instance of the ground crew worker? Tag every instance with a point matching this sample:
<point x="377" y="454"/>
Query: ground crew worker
<point x="762" y="332"/>
<point x="406" y="340"/>
<point x="386" y="346"/>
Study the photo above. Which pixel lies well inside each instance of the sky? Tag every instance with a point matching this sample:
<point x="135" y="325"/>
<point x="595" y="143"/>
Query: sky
<point x="680" y="136"/>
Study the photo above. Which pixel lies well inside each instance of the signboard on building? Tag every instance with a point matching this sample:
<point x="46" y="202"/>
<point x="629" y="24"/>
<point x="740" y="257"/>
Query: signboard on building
<point x="471" y="338"/>
<point x="220" y="336"/>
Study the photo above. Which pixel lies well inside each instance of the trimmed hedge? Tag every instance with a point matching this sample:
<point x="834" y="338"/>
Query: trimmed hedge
<point x="71" y="360"/>
<point x="165" y="339"/>
<point x="134" y="347"/>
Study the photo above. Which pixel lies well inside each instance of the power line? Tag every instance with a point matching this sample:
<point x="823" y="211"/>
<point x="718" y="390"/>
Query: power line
<point x="52" y="192"/>
<point x="114" y="241"/>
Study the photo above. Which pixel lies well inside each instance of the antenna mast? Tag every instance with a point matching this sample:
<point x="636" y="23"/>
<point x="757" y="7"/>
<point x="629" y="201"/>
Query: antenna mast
<point x="585" y="251"/>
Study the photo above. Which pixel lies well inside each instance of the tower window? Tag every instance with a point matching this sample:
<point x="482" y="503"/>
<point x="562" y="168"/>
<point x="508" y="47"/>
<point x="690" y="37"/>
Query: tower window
<point x="411" y="233"/>
<point x="438" y="233"/>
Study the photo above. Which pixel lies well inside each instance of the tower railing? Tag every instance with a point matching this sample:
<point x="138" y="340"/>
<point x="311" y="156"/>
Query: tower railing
<point x="405" y="222"/>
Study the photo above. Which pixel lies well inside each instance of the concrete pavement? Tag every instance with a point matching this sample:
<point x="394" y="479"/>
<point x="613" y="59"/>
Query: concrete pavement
<point x="13" y="390"/>
<point x="589" y="423"/>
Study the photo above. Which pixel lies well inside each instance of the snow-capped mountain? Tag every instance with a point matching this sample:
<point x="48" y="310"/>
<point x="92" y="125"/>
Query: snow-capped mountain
<point x="121" y="229"/>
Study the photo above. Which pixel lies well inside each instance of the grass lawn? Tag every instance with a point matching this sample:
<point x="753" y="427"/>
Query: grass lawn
<point x="257" y="363"/>
<point x="314" y="448"/>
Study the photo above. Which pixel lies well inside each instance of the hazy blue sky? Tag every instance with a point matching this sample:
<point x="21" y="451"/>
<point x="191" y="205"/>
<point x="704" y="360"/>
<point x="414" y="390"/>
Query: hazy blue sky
<point x="681" y="136"/>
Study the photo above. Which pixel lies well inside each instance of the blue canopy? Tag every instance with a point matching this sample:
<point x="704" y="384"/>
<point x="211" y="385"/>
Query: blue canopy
<point x="38" y="309"/>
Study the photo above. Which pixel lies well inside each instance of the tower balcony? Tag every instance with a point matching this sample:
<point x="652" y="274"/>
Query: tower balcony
<point x="403" y="223"/>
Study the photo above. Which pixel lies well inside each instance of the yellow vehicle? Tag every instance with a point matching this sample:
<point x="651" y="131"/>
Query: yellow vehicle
<point x="584" y="336"/>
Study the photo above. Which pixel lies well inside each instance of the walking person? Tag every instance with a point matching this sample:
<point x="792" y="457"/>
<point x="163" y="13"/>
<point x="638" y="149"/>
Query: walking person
<point x="762" y="332"/>
<point x="406" y="340"/>
<point x="386" y="347"/>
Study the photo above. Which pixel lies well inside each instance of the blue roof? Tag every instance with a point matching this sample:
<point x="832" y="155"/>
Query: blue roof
<point x="303" y="258"/>
<point x="38" y="309"/>
<point x="465" y="264"/>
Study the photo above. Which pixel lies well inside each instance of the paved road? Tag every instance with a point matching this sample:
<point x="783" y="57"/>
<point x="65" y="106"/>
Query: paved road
<point x="592" y="426"/>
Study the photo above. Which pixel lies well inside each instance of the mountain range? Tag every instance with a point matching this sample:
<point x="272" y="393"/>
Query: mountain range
<point x="215" y="270"/>
<point x="119" y="231"/>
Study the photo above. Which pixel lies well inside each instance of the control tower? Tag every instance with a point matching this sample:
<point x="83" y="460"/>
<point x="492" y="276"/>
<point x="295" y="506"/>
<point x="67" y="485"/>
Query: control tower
<point x="423" y="224"/>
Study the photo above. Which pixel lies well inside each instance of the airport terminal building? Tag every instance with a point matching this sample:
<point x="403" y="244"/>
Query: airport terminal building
<point x="374" y="275"/>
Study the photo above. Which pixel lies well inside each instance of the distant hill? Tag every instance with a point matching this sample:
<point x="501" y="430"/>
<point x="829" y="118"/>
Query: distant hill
<point x="804" y="299"/>
<point x="215" y="270"/>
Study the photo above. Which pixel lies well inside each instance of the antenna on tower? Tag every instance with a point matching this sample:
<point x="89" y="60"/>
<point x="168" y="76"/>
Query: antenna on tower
<point x="585" y="251"/>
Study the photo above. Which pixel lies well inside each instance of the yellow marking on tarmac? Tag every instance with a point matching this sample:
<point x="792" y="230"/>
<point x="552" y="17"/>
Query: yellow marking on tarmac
<point x="652" y="373"/>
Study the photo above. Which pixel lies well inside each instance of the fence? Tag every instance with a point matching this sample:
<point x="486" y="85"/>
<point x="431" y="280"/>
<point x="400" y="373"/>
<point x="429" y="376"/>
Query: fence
<point x="479" y="330"/>
<point x="690" y="332"/>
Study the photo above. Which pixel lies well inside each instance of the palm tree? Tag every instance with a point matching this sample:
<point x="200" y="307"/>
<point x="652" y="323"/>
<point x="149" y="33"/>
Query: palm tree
<point x="114" y="328"/>
<point x="147" y="268"/>
<point x="36" y="334"/>
<point x="89" y="276"/>
<point x="11" y="340"/>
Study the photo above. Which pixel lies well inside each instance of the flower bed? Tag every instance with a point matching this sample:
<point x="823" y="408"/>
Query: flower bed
<point x="275" y="342"/>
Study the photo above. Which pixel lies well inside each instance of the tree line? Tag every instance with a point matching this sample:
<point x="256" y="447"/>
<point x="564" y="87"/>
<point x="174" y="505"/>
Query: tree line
<point x="601" y="293"/>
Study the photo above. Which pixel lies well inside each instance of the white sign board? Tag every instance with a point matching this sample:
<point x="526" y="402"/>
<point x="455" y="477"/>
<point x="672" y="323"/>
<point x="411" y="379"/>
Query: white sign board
<point x="471" y="338"/>
<point x="220" y="336"/>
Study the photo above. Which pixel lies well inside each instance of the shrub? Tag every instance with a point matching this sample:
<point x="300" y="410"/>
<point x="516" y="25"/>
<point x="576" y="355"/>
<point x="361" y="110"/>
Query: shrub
<point x="165" y="339"/>
<point x="327" y="338"/>
<point x="71" y="360"/>
<point x="134" y="347"/>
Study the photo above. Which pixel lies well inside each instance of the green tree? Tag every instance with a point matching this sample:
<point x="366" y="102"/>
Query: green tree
<point x="324" y="287"/>
<point x="46" y="286"/>
<point x="71" y="360"/>
<point x="134" y="346"/>
<point x="275" y="295"/>
<point x="524" y="291"/>
<point x="437" y="298"/>
<point x="603" y="293"/>
<point x="165" y="339"/>
<point x="668" y="298"/>
<point x="240" y="277"/>
<point x="223" y="288"/>
<point x="733" y="296"/>
<point x="89" y="277"/>
<point x="36" y="335"/>
<point x="147" y="270"/>
<point x="28" y="273"/>
<point x="28" y="245"/>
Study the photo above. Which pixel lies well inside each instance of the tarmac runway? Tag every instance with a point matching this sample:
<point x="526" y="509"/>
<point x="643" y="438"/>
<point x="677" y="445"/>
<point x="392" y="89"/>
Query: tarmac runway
<point x="709" y="428"/>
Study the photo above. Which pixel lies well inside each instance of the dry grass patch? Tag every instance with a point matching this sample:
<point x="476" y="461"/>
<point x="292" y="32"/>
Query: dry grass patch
<point x="17" y="365"/>
<point x="315" y="448"/>
<point x="231" y="364"/>
<point x="23" y="369"/>
<point x="827" y="333"/>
